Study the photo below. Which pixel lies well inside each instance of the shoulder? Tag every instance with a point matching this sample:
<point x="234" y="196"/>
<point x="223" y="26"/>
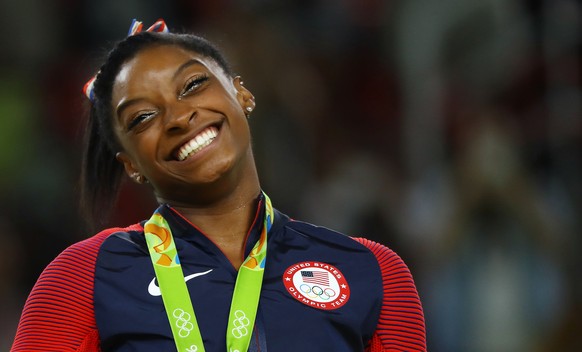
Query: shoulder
<point x="386" y="259"/>
<point x="401" y="324"/>
<point x="323" y="235"/>
<point x="81" y="256"/>
<point x="61" y="301"/>
<point x="389" y="261"/>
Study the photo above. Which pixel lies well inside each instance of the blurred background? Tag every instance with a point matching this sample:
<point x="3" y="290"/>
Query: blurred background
<point x="450" y="131"/>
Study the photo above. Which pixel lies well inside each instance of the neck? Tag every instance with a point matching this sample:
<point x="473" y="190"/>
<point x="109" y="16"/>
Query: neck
<point x="226" y="222"/>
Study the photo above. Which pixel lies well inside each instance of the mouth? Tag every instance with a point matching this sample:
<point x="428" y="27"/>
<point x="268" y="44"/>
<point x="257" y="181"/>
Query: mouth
<point x="196" y="144"/>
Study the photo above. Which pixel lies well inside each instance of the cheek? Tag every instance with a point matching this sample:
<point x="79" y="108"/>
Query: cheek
<point x="239" y="120"/>
<point x="145" y="146"/>
<point x="141" y="149"/>
<point x="240" y="134"/>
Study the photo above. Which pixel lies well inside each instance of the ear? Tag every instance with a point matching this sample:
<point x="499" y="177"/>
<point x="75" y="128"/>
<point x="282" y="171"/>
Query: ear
<point x="130" y="169"/>
<point x="245" y="98"/>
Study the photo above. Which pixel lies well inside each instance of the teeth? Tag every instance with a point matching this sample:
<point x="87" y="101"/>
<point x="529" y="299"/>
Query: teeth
<point x="203" y="139"/>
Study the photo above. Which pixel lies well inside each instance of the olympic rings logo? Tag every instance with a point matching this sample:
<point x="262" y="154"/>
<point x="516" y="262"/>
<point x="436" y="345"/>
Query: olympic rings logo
<point x="316" y="291"/>
<point x="240" y="324"/>
<point x="192" y="348"/>
<point x="183" y="323"/>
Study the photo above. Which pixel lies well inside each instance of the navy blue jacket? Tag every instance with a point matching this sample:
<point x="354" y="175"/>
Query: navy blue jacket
<point x="322" y="291"/>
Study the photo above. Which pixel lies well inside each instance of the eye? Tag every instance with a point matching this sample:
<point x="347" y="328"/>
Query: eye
<point x="193" y="84"/>
<point x="139" y="119"/>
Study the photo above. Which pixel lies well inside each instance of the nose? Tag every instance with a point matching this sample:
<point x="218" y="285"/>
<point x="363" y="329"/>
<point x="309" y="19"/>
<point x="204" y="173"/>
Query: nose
<point x="179" y="116"/>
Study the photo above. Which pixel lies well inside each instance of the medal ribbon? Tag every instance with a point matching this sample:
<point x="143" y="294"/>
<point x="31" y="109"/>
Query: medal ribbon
<point x="179" y="309"/>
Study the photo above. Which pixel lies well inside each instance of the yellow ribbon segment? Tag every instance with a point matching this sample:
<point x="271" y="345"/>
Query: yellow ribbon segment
<point x="164" y="250"/>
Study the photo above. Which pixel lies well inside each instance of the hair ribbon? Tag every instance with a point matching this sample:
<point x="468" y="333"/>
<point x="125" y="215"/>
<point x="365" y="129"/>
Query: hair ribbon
<point x="136" y="27"/>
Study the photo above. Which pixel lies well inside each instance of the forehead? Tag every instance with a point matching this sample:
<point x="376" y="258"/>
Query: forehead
<point x="162" y="61"/>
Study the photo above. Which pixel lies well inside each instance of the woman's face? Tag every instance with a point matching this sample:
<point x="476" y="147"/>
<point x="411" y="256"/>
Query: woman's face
<point x="180" y="121"/>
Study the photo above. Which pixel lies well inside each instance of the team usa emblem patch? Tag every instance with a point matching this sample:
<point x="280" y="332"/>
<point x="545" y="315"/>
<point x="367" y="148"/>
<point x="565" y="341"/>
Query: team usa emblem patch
<point x="318" y="285"/>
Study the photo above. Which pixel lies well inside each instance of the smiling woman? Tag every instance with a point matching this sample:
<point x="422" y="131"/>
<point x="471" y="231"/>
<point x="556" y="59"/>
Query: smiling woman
<point x="233" y="273"/>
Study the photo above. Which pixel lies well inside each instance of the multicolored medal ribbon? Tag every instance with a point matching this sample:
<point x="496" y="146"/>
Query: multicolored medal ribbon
<point x="247" y="290"/>
<point x="179" y="309"/>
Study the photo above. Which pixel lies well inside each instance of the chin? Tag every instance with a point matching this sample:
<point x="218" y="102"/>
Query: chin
<point x="216" y="170"/>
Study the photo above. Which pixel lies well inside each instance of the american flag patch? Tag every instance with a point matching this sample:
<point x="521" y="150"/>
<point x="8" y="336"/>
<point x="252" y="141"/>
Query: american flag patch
<point x="315" y="277"/>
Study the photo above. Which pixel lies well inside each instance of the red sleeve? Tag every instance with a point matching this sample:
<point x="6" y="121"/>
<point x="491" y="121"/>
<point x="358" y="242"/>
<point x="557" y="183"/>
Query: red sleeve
<point x="58" y="314"/>
<point x="401" y="324"/>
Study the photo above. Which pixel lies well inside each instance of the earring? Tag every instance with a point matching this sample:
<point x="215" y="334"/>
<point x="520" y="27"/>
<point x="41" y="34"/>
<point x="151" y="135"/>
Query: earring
<point x="137" y="177"/>
<point x="248" y="111"/>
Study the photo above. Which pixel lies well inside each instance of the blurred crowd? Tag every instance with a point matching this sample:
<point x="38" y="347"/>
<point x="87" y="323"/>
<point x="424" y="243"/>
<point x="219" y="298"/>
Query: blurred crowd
<point x="449" y="130"/>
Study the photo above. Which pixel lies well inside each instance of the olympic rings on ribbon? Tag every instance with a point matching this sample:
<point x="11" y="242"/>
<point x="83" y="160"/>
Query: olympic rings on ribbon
<point x="240" y="324"/>
<point x="183" y="322"/>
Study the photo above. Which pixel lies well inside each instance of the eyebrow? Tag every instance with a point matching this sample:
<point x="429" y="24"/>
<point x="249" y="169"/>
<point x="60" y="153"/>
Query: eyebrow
<point x="125" y="105"/>
<point x="180" y="69"/>
<point x="185" y="65"/>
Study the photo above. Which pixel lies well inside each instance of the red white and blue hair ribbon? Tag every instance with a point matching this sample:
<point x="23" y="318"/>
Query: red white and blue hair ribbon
<point x="136" y="27"/>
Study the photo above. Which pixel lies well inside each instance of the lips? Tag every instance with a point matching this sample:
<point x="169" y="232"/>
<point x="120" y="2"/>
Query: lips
<point x="196" y="144"/>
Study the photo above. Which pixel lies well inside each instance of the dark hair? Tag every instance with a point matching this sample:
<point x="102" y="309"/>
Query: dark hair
<point x="101" y="172"/>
